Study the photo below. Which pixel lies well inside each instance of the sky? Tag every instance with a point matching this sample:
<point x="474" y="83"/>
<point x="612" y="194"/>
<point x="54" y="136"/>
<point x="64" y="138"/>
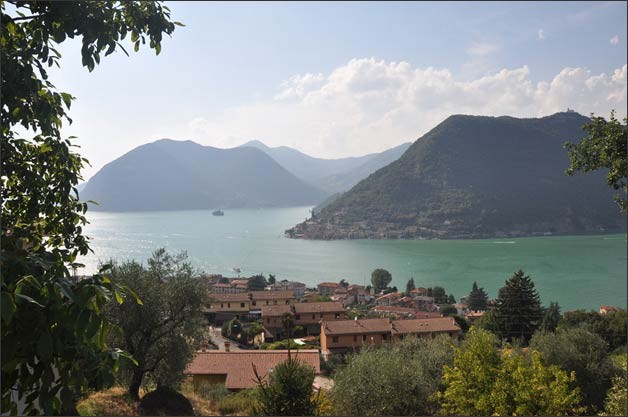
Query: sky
<point x="337" y="79"/>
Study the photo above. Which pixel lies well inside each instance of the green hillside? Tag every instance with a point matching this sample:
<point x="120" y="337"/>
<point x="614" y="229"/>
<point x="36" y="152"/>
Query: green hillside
<point x="475" y="176"/>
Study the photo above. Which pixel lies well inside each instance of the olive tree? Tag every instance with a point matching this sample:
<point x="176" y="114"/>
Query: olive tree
<point x="163" y="331"/>
<point x="53" y="328"/>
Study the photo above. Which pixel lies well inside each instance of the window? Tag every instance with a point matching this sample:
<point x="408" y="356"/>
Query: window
<point x="228" y="305"/>
<point x="210" y="306"/>
<point x="222" y="305"/>
<point x="337" y="315"/>
<point x="297" y="317"/>
<point x="287" y="301"/>
<point x="267" y="320"/>
<point x="275" y="302"/>
<point x="364" y="338"/>
<point x="321" y="316"/>
<point x="254" y="303"/>
<point x="242" y="305"/>
<point x="385" y="336"/>
<point x="313" y="316"/>
<point x="266" y="302"/>
<point x="355" y="338"/>
<point x="334" y="339"/>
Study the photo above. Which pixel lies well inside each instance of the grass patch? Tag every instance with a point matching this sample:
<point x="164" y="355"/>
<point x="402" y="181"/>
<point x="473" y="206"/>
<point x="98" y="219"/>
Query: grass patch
<point x="111" y="402"/>
<point x="242" y="403"/>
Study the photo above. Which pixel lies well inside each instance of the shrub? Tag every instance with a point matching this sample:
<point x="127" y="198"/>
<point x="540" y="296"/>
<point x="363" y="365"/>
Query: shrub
<point x="242" y="403"/>
<point x="213" y="392"/>
<point x="165" y="401"/>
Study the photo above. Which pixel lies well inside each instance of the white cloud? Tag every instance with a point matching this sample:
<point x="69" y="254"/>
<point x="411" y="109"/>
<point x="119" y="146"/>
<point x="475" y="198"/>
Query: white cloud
<point x="482" y="48"/>
<point x="540" y="34"/>
<point x="614" y="40"/>
<point x="368" y="105"/>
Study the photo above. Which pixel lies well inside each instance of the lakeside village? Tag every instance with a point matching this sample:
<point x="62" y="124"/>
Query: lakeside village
<point x="248" y="325"/>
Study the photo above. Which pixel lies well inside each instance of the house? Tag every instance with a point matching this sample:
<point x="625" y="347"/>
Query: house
<point x="388" y="299"/>
<point x="427" y="328"/>
<point x="418" y="291"/>
<point x="396" y="310"/>
<point x="424" y="303"/>
<point x="235" y="369"/>
<point x="345" y="335"/>
<point x="298" y="288"/>
<point x="607" y="309"/>
<point x="473" y="315"/>
<point x="327" y="288"/>
<point x="247" y="306"/>
<point x="360" y="294"/>
<point x="308" y="315"/>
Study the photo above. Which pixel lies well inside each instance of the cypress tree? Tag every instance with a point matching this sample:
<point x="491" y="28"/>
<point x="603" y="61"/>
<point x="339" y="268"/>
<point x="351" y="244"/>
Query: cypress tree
<point x="410" y="285"/>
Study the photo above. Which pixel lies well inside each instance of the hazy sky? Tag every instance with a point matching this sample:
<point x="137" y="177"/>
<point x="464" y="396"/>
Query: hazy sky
<point x="345" y="79"/>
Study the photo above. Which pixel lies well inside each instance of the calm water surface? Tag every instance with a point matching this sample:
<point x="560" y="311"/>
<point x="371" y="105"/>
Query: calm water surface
<point x="576" y="271"/>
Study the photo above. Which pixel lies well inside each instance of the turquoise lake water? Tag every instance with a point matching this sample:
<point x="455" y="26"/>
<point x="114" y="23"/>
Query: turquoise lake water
<point x="576" y="271"/>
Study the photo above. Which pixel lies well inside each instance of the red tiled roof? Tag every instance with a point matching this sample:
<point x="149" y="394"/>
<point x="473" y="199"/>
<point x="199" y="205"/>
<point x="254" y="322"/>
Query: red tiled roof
<point x="442" y="324"/>
<point x="329" y="284"/>
<point x="238" y="365"/>
<point x="357" y="326"/>
<point x="391" y="295"/>
<point x="394" y="309"/>
<point x="275" y="311"/>
<point x="237" y="297"/>
<point x="271" y="295"/>
<point x="323" y="307"/>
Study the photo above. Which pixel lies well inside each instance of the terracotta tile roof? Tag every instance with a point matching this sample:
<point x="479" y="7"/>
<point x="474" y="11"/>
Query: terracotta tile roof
<point x="238" y="365"/>
<point x="275" y="311"/>
<point x="423" y="298"/>
<point x="357" y="326"/>
<point x="323" y="307"/>
<point x="329" y="284"/>
<point x="237" y="297"/>
<point x="390" y="295"/>
<point x="239" y="281"/>
<point x="271" y="295"/>
<point x="394" y="309"/>
<point x="442" y="324"/>
<point x="427" y="315"/>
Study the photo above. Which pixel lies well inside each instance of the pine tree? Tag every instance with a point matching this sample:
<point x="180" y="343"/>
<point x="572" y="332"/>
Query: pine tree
<point x="451" y="299"/>
<point x="477" y="298"/>
<point x="518" y="310"/>
<point x="410" y="285"/>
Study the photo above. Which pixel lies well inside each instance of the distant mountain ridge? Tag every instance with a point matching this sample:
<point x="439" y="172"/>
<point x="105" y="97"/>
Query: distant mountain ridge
<point x="179" y="175"/>
<point x="475" y="176"/>
<point x="330" y="175"/>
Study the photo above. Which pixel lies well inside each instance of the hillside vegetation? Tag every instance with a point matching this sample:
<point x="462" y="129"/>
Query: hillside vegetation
<point x="474" y="176"/>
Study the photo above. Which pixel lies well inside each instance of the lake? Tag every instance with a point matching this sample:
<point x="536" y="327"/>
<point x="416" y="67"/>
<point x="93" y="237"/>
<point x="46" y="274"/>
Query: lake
<point x="576" y="271"/>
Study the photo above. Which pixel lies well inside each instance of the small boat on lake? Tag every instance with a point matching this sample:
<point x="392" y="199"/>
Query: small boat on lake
<point x="218" y="213"/>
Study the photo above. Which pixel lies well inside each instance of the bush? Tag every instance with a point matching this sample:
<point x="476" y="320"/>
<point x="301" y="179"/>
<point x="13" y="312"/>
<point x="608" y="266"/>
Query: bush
<point x="165" y="401"/>
<point x="242" y="403"/>
<point x="213" y="392"/>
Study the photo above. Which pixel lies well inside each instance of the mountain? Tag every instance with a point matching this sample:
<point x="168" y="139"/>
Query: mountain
<point x="179" y="175"/>
<point x="474" y="176"/>
<point x="344" y="180"/>
<point x="307" y="167"/>
<point x="330" y="175"/>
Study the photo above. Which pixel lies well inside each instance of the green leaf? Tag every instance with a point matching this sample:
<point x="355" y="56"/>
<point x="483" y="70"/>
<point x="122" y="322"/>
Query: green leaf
<point x="119" y="298"/>
<point x="67" y="99"/>
<point x="28" y="299"/>
<point x="44" y="346"/>
<point x="179" y="24"/>
<point x="158" y="48"/>
<point x="8" y="307"/>
<point x="137" y="46"/>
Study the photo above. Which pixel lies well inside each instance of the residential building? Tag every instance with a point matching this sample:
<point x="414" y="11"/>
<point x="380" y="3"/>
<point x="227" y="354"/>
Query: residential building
<point x="396" y="310"/>
<point x="420" y="291"/>
<point x="345" y="335"/>
<point x="234" y="369"/>
<point x="607" y="309"/>
<point x="245" y="306"/>
<point x="327" y="288"/>
<point x="308" y="315"/>
<point x="424" y="303"/>
<point x="388" y="299"/>
<point x="427" y="328"/>
<point x="298" y="288"/>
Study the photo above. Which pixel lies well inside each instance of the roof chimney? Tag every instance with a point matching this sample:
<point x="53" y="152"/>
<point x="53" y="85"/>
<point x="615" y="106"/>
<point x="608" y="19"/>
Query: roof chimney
<point x="227" y="346"/>
<point x="204" y="346"/>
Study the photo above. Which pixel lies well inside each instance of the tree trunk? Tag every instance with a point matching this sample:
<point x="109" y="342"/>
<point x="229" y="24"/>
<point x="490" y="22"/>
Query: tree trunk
<point x="136" y="381"/>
